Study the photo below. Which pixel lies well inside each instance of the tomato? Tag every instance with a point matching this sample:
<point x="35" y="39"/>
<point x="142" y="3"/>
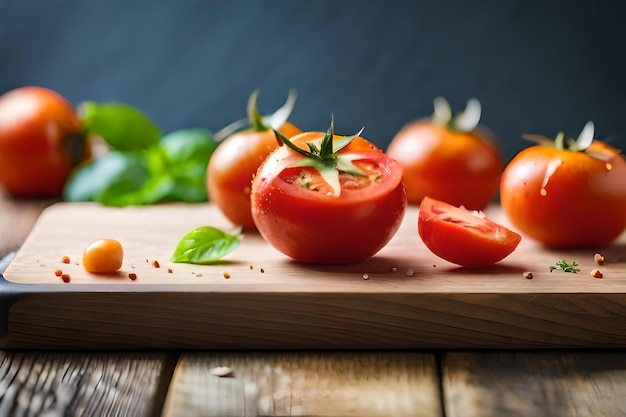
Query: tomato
<point x="566" y="197"/>
<point x="463" y="237"/>
<point x="236" y="160"/>
<point x="341" y="206"/>
<point x="41" y="140"/>
<point x="102" y="256"/>
<point x="450" y="159"/>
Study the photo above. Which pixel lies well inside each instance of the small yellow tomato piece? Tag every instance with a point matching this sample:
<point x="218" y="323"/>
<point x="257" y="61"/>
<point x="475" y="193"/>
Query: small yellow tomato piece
<point x="104" y="255"/>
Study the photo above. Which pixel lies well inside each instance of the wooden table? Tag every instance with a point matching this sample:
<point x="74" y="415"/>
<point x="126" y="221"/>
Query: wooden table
<point x="301" y="383"/>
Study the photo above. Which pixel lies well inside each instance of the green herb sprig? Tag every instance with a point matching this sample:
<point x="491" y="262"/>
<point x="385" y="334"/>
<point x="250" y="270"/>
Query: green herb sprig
<point x="565" y="266"/>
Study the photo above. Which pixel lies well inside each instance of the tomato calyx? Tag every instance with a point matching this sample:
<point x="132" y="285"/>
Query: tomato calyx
<point x="464" y="121"/>
<point x="581" y="144"/>
<point x="325" y="158"/>
<point x="258" y="122"/>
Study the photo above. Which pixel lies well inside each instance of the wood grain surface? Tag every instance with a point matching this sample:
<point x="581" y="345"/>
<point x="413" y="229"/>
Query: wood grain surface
<point x="555" y="384"/>
<point x="304" y="384"/>
<point x="74" y="384"/>
<point x="404" y="297"/>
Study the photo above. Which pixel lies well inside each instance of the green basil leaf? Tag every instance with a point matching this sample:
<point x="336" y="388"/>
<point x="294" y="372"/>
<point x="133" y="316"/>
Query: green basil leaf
<point x="154" y="190"/>
<point x="122" y="126"/>
<point x="205" y="245"/>
<point x="183" y="146"/>
<point x="114" y="172"/>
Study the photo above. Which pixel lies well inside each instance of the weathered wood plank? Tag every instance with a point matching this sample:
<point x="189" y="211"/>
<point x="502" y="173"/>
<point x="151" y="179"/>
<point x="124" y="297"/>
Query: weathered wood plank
<point x="304" y="384"/>
<point x="74" y="384"/>
<point x="555" y="384"/>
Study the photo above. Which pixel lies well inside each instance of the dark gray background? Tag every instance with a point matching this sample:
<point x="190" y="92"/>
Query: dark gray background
<point x="536" y="66"/>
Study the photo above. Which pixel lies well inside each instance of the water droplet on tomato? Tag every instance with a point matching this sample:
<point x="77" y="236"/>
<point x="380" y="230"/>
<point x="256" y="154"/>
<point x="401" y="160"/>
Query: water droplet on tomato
<point x="543" y="192"/>
<point x="609" y="166"/>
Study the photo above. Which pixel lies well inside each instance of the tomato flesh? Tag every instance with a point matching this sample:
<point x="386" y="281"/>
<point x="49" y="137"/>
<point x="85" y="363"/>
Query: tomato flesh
<point x="295" y="211"/>
<point x="463" y="237"/>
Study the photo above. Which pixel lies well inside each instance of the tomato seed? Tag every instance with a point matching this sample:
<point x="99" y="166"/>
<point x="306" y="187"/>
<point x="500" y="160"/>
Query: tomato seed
<point x="226" y="275"/>
<point x="365" y="276"/>
<point x="58" y="272"/>
<point x="156" y="264"/>
<point x="132" y="276"/>
<point x="410" y="272"/>
<point x="169" y="270"/>
<point x="596" y="273"/>
<point x="394" y="269"/>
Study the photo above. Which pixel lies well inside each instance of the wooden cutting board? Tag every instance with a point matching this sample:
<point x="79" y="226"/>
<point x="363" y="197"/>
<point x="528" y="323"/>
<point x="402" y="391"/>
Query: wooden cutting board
<point x="404" y="297"/>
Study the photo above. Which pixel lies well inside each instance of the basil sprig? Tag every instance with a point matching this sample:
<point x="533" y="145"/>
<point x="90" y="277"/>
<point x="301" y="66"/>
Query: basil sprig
<point x="205" y="245"/>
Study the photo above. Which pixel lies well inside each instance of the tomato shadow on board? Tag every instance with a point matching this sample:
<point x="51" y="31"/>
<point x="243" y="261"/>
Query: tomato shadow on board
<point x="376" y="267"/>
<point x="500" y="269"/>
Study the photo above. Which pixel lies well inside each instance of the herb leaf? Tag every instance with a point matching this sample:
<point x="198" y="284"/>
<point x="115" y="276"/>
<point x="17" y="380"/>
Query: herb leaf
<point x="121" y="126"/>
<point x="205" y="245"/>
<point x="565" y="266"/>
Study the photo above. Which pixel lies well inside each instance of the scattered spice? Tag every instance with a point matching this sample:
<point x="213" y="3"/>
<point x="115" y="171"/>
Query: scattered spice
<point x="528" y="275"/>
<point x="565" y="266"/>
<point x="65" y="277"/>
<point x="598" y="258"/>
<point x="596" y="273"/>
<point x="226" y="274"/>
<point x="156" y="264"/>
<point x="365" y="276"/>
<point x="58" y="272"/>
<point x="262" y="270"/>
<point x="169" y="270"/>
<point x="65" y="259"/>
<point x="132" y="276"/>
<point x="394" y="269"/>
<point x="251" y="267"/>
<point x="410" y="272"/>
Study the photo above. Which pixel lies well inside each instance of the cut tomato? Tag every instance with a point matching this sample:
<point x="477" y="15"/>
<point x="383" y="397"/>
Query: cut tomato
<point x="345" y="216"/>
<point x="463" y="237"/>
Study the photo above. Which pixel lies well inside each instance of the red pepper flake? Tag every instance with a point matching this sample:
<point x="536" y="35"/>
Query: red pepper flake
<point x="528" y="275"/>
<point x="65" y="259"/>
<point x="596" y="273"/>
<point x="262" y="270"/>
<point x="226" y="275"/>
<point x="251" y="267"/>
<point x="169" y="270"/>
<point x="156" y="264"/>
<point x="65" y="277"/>
<point x="598" y="258"/>
<point x="58" y="272"/>
<point x="132" y="276"/>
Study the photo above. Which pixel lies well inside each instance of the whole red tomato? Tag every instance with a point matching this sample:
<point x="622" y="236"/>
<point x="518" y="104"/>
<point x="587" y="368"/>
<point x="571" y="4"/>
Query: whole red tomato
<point x="567" y="193"/>
<point x="41" y="140"/>
<point x="452" y="159"/>
<point x="461" y="236"/>
<point x="237" y="158"/>
<point x="340" y="201"/>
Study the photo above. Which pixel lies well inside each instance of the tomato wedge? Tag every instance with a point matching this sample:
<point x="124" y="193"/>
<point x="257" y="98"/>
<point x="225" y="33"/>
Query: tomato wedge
<point x="311" y="219"/>
<point x="463" y="237"/>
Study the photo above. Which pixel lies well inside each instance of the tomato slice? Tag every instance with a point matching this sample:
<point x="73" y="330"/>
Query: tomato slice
<point x="463" y="237"/>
